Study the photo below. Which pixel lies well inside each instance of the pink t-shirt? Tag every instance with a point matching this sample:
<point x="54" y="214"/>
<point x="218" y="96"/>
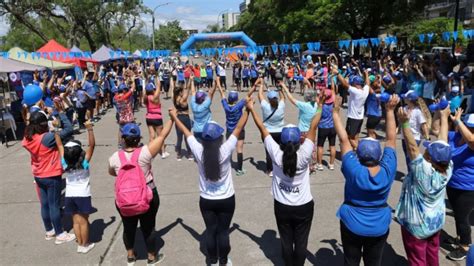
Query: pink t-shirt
<point x="153" y="110"/>
<point x="144" y="160"/>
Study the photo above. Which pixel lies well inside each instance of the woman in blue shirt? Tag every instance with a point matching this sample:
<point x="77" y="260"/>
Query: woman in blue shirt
<point x="461" y="186"/>
<point x="201" y="107"/>
<point x="374" y="110"/>
<point x="369" y="173"/>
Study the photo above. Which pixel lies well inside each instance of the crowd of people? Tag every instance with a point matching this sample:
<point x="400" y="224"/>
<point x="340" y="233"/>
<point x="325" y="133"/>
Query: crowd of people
<point x="420" y="97"/>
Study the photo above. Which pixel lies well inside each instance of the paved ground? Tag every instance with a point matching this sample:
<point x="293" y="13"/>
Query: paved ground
<point x="254" y="237"/>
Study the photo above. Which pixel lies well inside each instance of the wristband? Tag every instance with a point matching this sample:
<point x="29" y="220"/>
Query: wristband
<point x="406" y="125"/>
<point x="457" y="122"/>
<point x="319" y="110"/>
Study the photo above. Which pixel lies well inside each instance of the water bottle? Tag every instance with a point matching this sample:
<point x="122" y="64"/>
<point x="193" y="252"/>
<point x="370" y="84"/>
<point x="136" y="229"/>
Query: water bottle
<point x="439" y="106"/>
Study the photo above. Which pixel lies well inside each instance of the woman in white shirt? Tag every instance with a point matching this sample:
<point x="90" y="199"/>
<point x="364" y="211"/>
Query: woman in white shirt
<point x="293" y="202"/>
<point x="217" y="201"/>
<point x="273" y="115"/>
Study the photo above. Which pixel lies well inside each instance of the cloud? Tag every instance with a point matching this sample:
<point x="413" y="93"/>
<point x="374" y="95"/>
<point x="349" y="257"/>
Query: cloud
<point x="184" y="10"/>
<point x="4" y="26"/>
<point x="187" y="22"/>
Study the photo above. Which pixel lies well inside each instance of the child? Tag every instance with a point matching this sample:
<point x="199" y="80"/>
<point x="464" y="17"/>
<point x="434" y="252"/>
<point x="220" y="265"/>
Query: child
<point x="75" y="162"/>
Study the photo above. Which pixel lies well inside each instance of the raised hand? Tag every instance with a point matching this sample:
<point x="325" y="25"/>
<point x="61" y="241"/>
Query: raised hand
<point x="392" y="103"/>
<point x="457" y="115"/>
<point x="337" y="104"/>
<point x="402" y="115"/>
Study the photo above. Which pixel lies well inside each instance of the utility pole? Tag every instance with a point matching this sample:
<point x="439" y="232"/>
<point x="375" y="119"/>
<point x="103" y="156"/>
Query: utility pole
<point x="456" y="18"/>
<point x="153" y="22"/>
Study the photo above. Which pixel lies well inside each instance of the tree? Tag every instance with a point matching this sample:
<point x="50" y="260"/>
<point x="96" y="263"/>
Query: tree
<point x="170" y="35"/>
<point x="74" y="20"/>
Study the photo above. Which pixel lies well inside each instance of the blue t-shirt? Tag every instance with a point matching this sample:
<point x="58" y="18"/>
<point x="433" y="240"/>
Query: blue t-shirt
<point x="373" y="105"/>
<point x="89" y="88"/>
<point x="81" y="98"/>
<point x="232" y="113"/>
<point x="306" y="113"/>
<point x="181" y="76"/>
<point x="417" y="86"/>
<point x="326" y="117"/>
<point x="113" y="88"/>
<point x="245" y="73"/>
<point x="209" y="72"/>
<point x="454" y="101"/>
<point x="253" y="73"/>
<point x="201" y="113"/>
<point x="463" y="164"/>
<point x="362" y="189"/>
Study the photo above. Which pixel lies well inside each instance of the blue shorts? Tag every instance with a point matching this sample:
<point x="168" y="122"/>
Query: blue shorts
<point x="82" y="205"/>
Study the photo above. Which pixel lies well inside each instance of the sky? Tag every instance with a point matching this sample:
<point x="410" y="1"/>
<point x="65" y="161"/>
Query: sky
<point x="193" y="14"/>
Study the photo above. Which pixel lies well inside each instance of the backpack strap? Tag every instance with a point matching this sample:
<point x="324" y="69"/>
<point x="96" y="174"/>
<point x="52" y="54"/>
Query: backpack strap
<point x="136" y="155"/>
<point x="122" y="157"/>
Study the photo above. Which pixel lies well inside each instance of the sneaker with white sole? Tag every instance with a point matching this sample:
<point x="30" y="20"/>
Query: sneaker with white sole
<point x="50" y="235"/>
<point x="319" y="167"/>
<point x="64" y="237"/>
<point x="86" y="249"/>
<point x="165" y="155"/>
<point x="331" y="167"/>
<point x="159" y="257"/>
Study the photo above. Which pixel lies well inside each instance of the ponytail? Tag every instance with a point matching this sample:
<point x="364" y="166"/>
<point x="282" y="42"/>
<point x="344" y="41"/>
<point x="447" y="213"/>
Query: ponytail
<point x="290" y="158"/>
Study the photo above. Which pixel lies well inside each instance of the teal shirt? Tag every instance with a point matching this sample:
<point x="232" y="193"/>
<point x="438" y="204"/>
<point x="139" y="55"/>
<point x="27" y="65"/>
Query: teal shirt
<point x="306" y="113"/>
<point x="421" y="209"/>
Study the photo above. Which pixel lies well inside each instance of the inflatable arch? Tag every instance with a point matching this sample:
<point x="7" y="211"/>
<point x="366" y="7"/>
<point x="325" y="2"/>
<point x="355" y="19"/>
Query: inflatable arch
<point x="218" y="36"/>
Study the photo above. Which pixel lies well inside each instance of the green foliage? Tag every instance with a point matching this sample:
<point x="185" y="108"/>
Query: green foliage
<point x="169" y="36"/>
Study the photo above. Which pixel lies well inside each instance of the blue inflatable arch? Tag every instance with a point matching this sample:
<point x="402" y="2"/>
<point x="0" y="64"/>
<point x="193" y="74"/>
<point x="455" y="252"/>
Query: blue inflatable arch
<point x="218" y="36"/>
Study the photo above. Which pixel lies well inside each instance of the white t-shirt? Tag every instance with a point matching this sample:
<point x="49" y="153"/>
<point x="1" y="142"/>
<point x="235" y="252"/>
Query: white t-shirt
<point x="428" y="89"/>
<point x="416" y="120"/>
<point x="144" y="161"/>
<point x="356" y="102"/>
<point x="294" y="191"/>
<point x="77" y="182"/>
<point x="224" y="187"/>
<point x="276" y="122"/>
<point x="220" y="71"/>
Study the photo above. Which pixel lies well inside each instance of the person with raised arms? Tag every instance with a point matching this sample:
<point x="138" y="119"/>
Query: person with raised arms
<point x="217" y="200"/>
<point x="180" y="102"/>
<point x="369" y="173"/>
<point x="273" y="113"/>
<point x="421" y="210"/>
<point x="293" y="202"/>
<point x="358" y="93"/>
<point x="201" y="107"/>
<point x="120" y="165"/>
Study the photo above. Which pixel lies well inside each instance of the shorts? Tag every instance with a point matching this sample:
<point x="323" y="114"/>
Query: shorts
<point x="353" y="126"/>
<point x="237" y="81"/>
<point x="90" y="104"/>
<point x="154" y="122"/>
<point x="373" y="121"/>
<point x="329" y="133"/>
<point x="241" y="135"/>
<point x="82" y="205"/>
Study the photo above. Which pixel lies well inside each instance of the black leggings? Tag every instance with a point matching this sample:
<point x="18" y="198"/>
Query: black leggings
<point x="294" y="224"/>
<point x="462" y="203"/>
<point x="217" y="215"/>
<point x="179" y="134"/>
<point x="147" y="225"/>
<point x="276" y="137"/>
<point x="222" y="79"/>
<point x="356" y="247"/>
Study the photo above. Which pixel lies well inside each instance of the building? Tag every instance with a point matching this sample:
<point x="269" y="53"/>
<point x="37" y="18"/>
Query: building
<point x="229" y="20"/>
<point x="447" y="8"/>
<point x="244" y="5"/>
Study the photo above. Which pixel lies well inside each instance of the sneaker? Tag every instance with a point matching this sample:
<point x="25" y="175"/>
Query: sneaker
<point x="458" y="254"/>
<point x="49" y="235"/>
<point x="179" y="159"/>
<point x="165" y="155"/>
<point x="331" y="167"/>
<point x="190" y="158"/>
<point x="229" y="262"/>
<point x="64" y="237"/>
<point x="319" y="167"/>
<point x="158" y="258"/>
<point x="131" y="261"/>
<point x="270" y="174"/>
<point x="240" y="172"/>
<point x="86" y="249"/>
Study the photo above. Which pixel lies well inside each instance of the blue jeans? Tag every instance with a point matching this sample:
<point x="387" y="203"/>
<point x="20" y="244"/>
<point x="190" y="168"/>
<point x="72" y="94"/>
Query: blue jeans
<point x="50" y="196"/>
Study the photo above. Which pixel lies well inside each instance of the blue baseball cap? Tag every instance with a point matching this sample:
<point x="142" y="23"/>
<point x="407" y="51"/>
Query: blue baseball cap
<point x="290" y="133"/>
<point x="272" y="95"/>
<point x="233" y="96"/>
<point x="469" y="120"/>
<point x="200" y="96"/>
<point x="411" y="95"/>
<point x="440" y="151"/>
<point x="130" y="130"/>
<point x="387" y="79"/>
<point x="150" y="86"/>
<point x="369" y="149"/>
<point x="122" y="87"/>
<point x="212" y="131"/>
<point x="356" y="80"/>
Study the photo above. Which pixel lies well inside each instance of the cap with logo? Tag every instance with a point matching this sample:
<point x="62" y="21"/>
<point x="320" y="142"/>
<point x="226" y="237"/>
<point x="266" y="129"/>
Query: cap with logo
<point x="212" y="131"/>
<point x="130" y="130"/>
<point x="369" y="149"/>
<point x="290" y="133"/>
<point x="439" y="151"/>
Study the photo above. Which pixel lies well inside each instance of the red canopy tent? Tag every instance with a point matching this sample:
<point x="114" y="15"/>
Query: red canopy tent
<point x="54" y="51"/>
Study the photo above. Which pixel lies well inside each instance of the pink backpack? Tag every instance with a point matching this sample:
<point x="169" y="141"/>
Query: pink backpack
<point x="132" y="195"/>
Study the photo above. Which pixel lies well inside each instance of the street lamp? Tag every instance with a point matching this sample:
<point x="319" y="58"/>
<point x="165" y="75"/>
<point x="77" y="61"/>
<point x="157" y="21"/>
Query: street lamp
<point x="153" y="22"/>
